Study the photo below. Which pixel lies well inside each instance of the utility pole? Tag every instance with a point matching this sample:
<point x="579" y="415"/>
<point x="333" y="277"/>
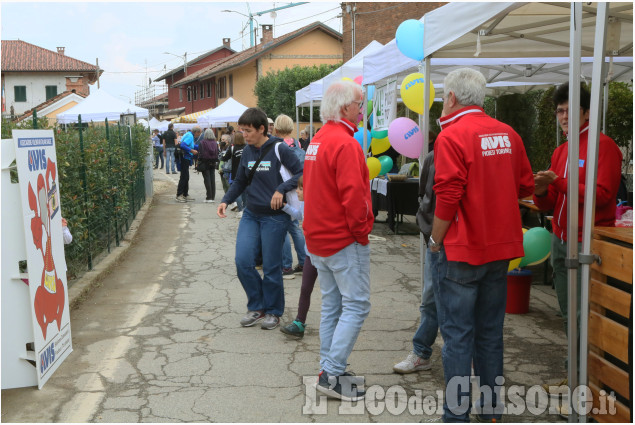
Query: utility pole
<point x="97" y="73"/>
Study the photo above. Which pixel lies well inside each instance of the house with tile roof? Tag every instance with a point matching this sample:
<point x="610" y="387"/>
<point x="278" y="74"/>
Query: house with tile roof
<point x="32" y="75"/>
<point x="182" y="102"/>
<point x="53" y="106"/>
<point x="236" y="75"/>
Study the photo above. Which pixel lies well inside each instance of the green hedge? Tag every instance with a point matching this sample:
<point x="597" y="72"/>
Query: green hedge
<point x="101" y="186"/>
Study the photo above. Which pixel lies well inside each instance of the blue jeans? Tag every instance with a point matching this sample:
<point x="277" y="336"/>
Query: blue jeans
<point x="298" y="242"/>
<point x="169" y="159"/>
<point x="471" y="310"/>
<point x="429" y="326"/>
<point x="158" y="154"/>
<point x="345" y="284"/>
<point x="261" y="233"/>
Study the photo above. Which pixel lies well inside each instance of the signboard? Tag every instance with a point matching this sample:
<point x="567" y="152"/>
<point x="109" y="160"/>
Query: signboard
<point x="39" y="192"/>
<point x="385" y="105"/>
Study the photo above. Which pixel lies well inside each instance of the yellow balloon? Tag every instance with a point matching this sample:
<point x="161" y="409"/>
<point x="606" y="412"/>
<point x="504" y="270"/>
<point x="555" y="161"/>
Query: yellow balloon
<point x="379" y="145"/>
<point x="374" y="167"/>
<point x="412" y="92"/>
<point x="535" y="263"/>
<point x="513" y="264"/>
<point x="346" y="79"/>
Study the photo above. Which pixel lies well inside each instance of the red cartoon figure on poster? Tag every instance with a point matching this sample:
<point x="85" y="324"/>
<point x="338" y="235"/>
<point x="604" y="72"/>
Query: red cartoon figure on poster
<point x="49" y="296"/>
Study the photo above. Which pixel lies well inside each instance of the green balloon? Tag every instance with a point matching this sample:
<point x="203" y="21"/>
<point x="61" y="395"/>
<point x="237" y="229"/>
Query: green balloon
<point x="537" y="246"/>
<point x="386" y="164"/>
<point x="369" y="108"/>
<point x="379" y="134"/>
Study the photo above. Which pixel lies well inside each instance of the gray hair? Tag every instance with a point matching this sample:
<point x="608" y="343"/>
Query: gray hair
<point x="209" y="134"/>
<point x="468" y="85"/>
<point x="338" y="95"/>
<point x="196" y="129"/>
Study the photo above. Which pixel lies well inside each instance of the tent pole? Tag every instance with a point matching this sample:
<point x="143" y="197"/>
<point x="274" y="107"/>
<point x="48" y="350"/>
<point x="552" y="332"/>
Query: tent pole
<point x="590" y="185"/>
<point x="297" y="120"/>
<point x="311" y="118"/>
<point x="365" y="121"/>
<point x="425" y="118"/>
<point x="571" y="261"/>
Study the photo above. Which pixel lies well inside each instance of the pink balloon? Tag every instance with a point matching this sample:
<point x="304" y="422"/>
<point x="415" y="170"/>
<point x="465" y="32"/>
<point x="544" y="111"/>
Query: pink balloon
<point x="405" y="136"/>
<point x="360" y="119"/>
<point x="358" y="80"/>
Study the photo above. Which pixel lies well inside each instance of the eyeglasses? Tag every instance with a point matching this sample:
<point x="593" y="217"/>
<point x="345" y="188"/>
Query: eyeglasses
<point x="561" y="111"/>
<point x="360" y="103"/>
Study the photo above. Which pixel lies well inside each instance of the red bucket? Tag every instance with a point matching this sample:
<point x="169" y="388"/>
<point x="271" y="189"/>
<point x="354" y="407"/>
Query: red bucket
<point x="518" y="289"/>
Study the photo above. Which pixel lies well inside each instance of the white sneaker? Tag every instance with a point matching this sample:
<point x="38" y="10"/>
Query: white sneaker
<point x="209" y="201"/>
<point x="239" y="215"/>
<point x="413" y="363"/>
<point x="181" y="199"/>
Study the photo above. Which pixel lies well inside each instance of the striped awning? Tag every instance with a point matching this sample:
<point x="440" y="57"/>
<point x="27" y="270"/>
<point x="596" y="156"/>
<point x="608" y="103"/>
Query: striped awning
<point x="191" y="118"/>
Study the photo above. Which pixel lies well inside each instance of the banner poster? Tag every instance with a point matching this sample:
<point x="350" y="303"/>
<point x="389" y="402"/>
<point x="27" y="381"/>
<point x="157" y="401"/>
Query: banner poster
<point x="385" y="105"/>
<point x="46" y="266"/>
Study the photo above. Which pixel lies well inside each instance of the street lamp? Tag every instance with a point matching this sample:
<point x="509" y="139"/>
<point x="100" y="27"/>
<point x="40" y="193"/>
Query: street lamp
<point x="184" y="56"/>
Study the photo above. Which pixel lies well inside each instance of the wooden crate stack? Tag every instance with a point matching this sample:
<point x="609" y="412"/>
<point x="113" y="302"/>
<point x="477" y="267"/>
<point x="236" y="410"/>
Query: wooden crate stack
<point x="610" y="323"/>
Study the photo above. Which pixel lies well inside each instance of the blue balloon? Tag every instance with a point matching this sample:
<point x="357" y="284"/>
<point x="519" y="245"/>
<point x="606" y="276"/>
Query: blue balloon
<point x="409" y="38"/>
<point x="371" y="92"/>
<point x="370" y="120"/>
<point x="359" y="136"/>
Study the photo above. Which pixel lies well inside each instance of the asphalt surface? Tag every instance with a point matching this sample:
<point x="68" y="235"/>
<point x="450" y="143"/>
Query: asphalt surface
<point x="156" y="336"/>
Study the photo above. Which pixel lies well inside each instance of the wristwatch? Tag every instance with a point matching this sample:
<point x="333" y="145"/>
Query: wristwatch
<point x="433" y="244"/>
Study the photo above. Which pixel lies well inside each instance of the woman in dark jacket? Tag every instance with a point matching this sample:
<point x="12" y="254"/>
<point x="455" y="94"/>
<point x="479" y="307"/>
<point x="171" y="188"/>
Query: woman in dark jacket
<point x="235" y="152"/>
<point x="208" y="158"/>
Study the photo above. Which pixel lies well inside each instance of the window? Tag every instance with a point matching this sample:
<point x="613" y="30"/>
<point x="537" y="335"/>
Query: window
<point x="231" y="85"/>
<point x="189" y="94"/>
<point x="19" y="93"/>
<point x="202" y="88"/>
<point x="194" y="92"/>
<point x="51" y="91"/>
<point x="222" y="87"/>
<point x="180" y="94"/>
<point x="209" y="89"/>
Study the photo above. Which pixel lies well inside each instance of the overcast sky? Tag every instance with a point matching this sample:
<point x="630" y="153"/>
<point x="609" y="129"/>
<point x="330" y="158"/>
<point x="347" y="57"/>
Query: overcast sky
<point x="127" y="36"/>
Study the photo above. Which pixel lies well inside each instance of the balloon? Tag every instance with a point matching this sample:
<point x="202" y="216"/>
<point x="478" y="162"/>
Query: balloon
<point x="537" y="246"/>
<point x="371" y="92"/>
<point x="358" y="80"/>
<point x="369" y="108"/>
<point x="360" y="120"/>
<point x="412" y="92"/>
<point x="370" y="121"/>
<point x="386" y="164"/>
<point x="513" y="264"/>
<point x="379" y="145"/>
<point x="406" y="137"/>
<point x="409" y="37"/>
<point x="535" y="263"/>
<point x="374" y="167"/>
<point x="379" y="134"/>
<point x="359" y="136"/>
<point x="346" y="79"/>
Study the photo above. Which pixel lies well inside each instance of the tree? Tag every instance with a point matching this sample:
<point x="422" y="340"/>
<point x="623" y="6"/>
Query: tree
<point x="276" y="90"/>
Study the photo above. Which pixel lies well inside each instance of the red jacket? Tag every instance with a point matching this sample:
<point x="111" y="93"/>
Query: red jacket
<point x="608" y="181"/>
<point x="337" y="205"/>
<point x="481" y="170"/>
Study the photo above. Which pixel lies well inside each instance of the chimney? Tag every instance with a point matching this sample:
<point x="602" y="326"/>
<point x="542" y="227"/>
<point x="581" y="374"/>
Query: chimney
<point x="227" y="42"/>
<point x="267" y="34"/>
<point x="60" y="50"/>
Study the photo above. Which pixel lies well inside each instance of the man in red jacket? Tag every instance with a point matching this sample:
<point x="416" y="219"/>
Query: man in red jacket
<point x="551" y="190"/>
<point x="481" y="170"/>
<point x="338" y="217"/>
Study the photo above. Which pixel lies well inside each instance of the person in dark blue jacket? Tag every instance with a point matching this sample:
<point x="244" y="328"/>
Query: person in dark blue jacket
<point x="263" y="225"/>
<point x="189" y="149"/>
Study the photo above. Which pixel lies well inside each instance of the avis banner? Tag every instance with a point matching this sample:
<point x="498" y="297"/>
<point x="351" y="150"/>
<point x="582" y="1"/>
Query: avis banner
<point x="39" y="191"/>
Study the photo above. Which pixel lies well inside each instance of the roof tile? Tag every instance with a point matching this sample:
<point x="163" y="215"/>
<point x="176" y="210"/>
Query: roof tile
<point x="20" y="56"/>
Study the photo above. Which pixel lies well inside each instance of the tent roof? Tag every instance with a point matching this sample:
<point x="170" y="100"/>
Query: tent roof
<point x="191" y="118"/>
<point x="351" y="69"/>
<point x="493" y="35"/>
<point x="229" y="111"/>
<point x="99" y="106"/>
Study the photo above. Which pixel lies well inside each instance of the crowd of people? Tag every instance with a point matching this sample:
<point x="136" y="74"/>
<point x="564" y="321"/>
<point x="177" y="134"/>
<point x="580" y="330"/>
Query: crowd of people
<point x="317" y="191"/>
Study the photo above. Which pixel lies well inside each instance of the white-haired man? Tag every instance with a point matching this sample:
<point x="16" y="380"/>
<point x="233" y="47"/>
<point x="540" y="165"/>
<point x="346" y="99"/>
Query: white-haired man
<point x="337" y="220"/>
<point x="481" y="170"/>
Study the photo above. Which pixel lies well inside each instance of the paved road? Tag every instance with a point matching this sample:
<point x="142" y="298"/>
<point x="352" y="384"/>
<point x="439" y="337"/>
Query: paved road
<point x="159" y="340"/>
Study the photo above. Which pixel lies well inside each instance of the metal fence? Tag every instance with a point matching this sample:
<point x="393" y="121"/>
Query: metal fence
<point x="102" y="186"/>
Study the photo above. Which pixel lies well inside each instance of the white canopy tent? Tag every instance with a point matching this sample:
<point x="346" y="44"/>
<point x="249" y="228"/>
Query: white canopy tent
<point x="536" y="30"/>
<point x="229" y="111"/>
<point x="155" y="124"/>
<point x="100" y="106"/>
